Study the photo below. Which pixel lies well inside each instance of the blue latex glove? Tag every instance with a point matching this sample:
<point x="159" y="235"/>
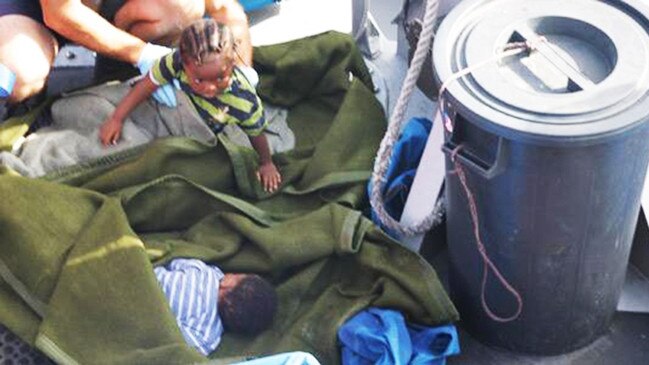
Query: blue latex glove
<point x="7" y="81"/>
<point x="250" y="74"/>
<point x="152" y="52"/>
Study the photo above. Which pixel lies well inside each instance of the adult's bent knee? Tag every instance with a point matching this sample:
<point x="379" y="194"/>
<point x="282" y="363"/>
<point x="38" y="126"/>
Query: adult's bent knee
<point x="28" y="49"/>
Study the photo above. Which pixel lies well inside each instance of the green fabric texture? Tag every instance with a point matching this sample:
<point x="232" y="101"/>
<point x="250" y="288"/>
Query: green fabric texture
<point x="77" y="247"/>
<point x="13" y="129"/>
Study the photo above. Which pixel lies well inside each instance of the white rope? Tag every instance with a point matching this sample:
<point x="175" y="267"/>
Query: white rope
<point x="396" y="120"/>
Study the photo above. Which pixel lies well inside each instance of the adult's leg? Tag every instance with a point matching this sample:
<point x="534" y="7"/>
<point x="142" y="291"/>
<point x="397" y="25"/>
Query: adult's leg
<point x="28" y="49"/>
<point x="158" y="21"/>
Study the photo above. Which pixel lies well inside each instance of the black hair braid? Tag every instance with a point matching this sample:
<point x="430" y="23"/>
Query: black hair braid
<point x="205" y="38"/>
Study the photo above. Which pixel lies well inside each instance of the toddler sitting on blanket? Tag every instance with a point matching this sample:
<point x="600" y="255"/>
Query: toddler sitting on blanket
<point x="204" y="301"/>
<point x="204" y="68"/>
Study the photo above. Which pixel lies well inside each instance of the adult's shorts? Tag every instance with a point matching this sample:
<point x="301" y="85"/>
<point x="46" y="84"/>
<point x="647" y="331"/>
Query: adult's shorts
<point x="32" y="8"/>
<point x="28" y="8"/>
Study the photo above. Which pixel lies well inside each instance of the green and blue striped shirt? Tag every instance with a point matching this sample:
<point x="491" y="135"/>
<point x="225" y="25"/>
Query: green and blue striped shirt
<point x="238" y="105"/>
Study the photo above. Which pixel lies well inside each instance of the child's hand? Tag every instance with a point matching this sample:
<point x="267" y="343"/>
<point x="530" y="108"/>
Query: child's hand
<point x="110" y="131"/>
<point x="269" y="177"/>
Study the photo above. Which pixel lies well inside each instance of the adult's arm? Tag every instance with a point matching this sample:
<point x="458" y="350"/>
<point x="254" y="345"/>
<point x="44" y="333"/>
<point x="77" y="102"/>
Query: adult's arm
<point x="82" y="25"/>
<point x="231" y="13"/>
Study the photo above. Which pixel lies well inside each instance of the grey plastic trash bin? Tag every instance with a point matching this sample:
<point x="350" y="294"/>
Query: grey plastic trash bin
<point x="555" y="145"/>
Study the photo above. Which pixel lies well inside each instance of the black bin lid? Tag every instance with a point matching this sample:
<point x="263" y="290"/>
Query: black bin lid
<point x="588" y="80"/>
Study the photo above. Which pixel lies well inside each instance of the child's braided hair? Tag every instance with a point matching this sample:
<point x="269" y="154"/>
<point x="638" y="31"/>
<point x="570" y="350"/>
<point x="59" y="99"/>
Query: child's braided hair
<point x="206" y="38"/>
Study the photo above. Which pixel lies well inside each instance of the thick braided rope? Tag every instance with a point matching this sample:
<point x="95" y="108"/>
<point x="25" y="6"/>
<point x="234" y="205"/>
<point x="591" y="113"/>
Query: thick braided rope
<point x="396" y="120"/>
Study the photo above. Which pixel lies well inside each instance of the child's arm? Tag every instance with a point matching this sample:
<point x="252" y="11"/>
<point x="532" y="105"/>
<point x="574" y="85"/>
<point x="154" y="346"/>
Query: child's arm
<point x="267" y="174"/>
<point x="110" y="131"/>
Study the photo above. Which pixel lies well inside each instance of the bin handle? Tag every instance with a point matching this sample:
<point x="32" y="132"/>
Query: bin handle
<point x="477" y="166"/>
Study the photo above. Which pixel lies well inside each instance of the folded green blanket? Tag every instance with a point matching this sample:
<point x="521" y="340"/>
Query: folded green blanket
<point x="77" y="247"/>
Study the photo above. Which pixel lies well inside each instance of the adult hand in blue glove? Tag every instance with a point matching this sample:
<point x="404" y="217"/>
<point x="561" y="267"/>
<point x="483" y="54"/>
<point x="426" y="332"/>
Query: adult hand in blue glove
<point x="164" y="94"/>
<point x="7" y="81"/>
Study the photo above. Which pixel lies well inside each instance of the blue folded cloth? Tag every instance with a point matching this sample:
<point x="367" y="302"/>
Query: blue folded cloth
<point x="381" y="337"/>
<point x="401" y="172"/>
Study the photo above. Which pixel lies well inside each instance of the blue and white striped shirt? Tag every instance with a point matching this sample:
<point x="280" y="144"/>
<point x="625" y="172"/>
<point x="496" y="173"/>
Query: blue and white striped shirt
<point x="192" y="288"/>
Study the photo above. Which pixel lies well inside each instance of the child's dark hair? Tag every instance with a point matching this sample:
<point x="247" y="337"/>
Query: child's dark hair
<point x="249" y="307"/>
<point x="205" y="38"/>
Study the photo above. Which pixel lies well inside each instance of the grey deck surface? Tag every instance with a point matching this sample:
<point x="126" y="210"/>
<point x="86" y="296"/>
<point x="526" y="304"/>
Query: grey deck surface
<point x="626" y="343"/>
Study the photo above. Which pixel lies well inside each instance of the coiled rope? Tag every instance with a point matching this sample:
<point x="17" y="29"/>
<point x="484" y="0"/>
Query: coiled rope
<point x="396" y="120"/>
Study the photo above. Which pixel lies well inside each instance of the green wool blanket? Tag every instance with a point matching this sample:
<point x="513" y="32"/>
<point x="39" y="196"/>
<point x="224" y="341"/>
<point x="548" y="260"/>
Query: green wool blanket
<point x="77" y="246"/>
